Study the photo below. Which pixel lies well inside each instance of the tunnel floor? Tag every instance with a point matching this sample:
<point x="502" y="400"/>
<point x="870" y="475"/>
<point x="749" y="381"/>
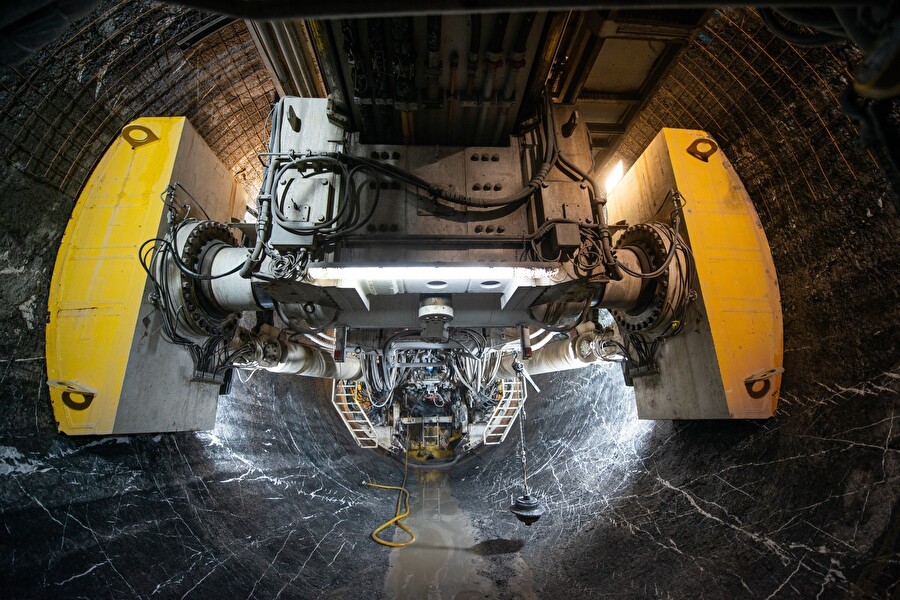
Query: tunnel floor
<point x="272" y="503"/>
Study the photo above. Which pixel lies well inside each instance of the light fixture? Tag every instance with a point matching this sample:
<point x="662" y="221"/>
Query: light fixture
<point x="614" y="177"/>
<point x="491" y="276"/>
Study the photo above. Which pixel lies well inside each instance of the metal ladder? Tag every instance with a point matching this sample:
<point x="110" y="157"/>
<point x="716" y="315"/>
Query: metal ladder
<point x="343" y="397"/>
<point x="433" y="439"/>
<point x="505" y="413"/>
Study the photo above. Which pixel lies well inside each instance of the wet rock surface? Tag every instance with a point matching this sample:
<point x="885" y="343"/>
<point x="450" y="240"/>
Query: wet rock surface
<point x="803" y="504"/>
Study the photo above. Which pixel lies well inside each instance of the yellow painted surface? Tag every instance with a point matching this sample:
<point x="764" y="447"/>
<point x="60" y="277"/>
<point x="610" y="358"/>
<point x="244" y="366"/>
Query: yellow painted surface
<point x="98" y="282"/>
<point x="734" y="330"/>
<point x="736" y="273"/>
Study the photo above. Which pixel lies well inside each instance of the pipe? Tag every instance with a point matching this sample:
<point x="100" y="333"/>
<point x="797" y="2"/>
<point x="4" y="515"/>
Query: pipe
<point x="562" y="355"/>
<point x="298" y="359"/>
<point x="434" y="70"/>
<point x="493" y="61"/>
<point x="516" y="62"/>
<point x="494" y="57"/>
<point x="283" y="45"/>
<point x="261" y="31"/>
<point x="517" y="58"/>
<point x="286" y="41"/>
<point x="404" y="127"/>
<point x="264" y="200"/>
<point x="474" y="52"/>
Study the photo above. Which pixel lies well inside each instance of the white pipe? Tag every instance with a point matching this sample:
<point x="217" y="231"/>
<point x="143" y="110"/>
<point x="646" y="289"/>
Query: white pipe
<point x="298" y="359"/>
<point x="232" y="292"/>
<point x="556" y="356"/>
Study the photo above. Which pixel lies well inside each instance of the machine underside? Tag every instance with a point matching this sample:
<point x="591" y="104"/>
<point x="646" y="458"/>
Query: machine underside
<point x="429" y="282"/>
<point x="411" y="277"/>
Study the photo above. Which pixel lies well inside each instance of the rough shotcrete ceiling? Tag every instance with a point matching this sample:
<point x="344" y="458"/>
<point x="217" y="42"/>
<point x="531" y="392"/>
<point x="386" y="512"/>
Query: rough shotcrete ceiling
<point x="61" y="109"/>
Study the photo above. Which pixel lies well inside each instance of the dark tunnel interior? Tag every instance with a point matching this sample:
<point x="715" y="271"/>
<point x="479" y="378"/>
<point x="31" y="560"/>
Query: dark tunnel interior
<point x="271" y="503"/>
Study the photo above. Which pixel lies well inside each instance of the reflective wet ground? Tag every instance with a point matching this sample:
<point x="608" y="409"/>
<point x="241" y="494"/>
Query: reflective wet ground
<point x="447" y="561"/>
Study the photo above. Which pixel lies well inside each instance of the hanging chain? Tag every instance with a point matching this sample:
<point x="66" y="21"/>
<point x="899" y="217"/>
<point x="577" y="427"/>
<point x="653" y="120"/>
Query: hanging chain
<point x="522" y="436"/>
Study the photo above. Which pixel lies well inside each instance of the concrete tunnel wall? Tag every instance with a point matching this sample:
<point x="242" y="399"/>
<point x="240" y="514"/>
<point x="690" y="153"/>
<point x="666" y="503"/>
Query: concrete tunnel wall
<point x="270" y="503"/>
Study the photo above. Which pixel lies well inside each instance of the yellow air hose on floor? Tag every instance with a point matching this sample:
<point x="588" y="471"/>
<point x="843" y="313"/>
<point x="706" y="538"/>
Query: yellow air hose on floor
<point x="402" y="496"/>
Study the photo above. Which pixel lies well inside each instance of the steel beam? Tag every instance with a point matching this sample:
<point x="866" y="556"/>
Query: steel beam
<point x="288" y="9"/>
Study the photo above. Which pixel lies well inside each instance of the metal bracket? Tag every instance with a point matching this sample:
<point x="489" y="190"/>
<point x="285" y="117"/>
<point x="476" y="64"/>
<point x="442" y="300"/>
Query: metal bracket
<point x="293" y="120"/>
<point x="762" y="377"/>
<point x="702" y="149"/>
<point x="69" y="389"/>
<point x="138" y="135"/>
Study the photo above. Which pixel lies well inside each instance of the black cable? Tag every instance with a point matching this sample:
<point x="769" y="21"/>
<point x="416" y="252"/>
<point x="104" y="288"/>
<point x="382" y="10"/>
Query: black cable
<point x="567" y="328"/>
<point x="674" y="240"/>
<point x="816" y="18"/>
<point x="438" y="192"/>
<point x="182" y="267"/>
<point x="170" y="191"/>
<point x="806" y="40"/>
<point x="351" y="228"/>
<point x="849" y="19"/>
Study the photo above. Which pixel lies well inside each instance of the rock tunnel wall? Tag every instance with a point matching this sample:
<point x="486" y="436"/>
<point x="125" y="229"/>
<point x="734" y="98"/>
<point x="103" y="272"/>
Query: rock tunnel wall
<point x="271" y="503"/>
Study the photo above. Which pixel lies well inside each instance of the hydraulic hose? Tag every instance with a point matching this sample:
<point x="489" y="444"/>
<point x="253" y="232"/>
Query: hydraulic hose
<point x="397" y="519"/>
<point x="609" y="261"/>
<point x="264" y="200"/>
<point x="403" y="494"/>
<point x="550" y="155"/>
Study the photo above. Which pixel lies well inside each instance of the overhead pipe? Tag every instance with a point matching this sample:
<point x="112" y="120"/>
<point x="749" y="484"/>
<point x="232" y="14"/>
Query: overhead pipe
<point x="260" y="34"/>
<point x="276" y="45"/>
<point x="434" y="70"/>
<point x="474" y="53"/>
<point x="472" y="72"/>
<point x="295" y="57"/>
<point x="493" y="61"/>
<point x="515" y="62"/>
<point x="516" y="59"/>
<point x="494" y="58"/>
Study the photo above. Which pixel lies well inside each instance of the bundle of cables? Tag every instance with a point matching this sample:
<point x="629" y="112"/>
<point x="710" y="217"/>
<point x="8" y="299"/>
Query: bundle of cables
<point x="155" y="255"/>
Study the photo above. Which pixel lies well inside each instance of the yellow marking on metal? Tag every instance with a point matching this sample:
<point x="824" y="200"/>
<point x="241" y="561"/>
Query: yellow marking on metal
<point x="98" y="283"/>
<point x="734" y="328"/>
<point x="735" y="270"/>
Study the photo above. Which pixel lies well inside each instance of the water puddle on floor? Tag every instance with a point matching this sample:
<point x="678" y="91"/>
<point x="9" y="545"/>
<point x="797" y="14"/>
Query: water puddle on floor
<point x="446" y="562"/>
